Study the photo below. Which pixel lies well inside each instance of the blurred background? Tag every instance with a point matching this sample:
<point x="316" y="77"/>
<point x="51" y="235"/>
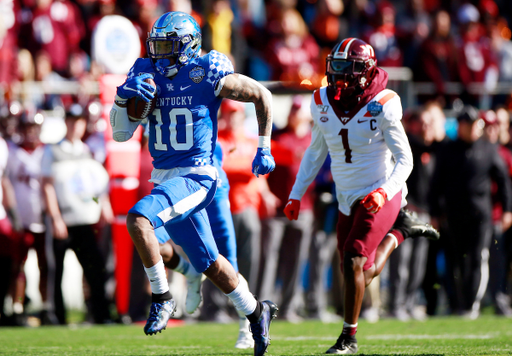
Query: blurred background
<point x="440" y="56"/>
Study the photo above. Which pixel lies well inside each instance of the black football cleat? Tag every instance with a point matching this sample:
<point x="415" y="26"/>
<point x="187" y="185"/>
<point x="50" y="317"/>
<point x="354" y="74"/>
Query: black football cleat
<point x="409" y="223"/>
<point x="260" y="329"/>
<point x="159" y="315"/>
<point x="345" y="345"/>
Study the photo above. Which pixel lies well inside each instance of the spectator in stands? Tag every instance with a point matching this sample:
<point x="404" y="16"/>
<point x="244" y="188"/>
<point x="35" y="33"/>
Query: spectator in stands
<point x="384" y="37"/>
<point x="476" y="61"/>
<point x="147" y="13"/>
<point x="27" y="73"/>
<point x="437" y="60"/>
<point x="186" y="7"/>
<point x="74" y="190"/>
<point x="9" y="31"/>
<point x="285" y="243"/>
<point x="222" y="33"/>
<point x="328" y="26"/>
<point x="499" y="261"/>
<point x="432" y="278"/>
<point x="462" y="181"/>
<point x="246" y="190"/>
<point x="293" y="54"/>
<point x="46" y="75"/>
<point x="7" y="237"/>
<point x="57" y="28"/>
<point x="501" y="46"/>
<point x="407" y="264"/>
<point x="24" y="172"/>
<point x="415" y="23"/>
<point x="323" y="253"/>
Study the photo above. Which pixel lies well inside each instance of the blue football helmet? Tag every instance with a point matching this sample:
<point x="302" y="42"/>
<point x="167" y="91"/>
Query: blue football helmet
<point x="176" y="35"/>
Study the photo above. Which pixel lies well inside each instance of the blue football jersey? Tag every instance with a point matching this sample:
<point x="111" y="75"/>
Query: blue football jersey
<point x="223" y="183"/>
<point x="183" y="126"/>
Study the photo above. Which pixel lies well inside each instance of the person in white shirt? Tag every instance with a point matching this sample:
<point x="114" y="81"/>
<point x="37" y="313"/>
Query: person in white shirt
<point x="358" y="122"/>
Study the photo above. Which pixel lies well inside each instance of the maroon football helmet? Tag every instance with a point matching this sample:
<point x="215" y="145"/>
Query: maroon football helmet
<point x="351" y="64"/>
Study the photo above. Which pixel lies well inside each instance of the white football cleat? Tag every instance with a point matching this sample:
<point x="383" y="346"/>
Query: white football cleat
<point x="194" y="297"/>
<point x="245" y="340"/>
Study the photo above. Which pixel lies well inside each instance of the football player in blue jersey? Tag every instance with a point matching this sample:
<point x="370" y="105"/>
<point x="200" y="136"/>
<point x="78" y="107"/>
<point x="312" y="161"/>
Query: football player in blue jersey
<point x="182" y="138"/>
<point x="223" y="230"/>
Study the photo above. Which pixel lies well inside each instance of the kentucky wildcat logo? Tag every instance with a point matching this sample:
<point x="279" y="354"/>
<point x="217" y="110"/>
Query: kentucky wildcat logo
<point x="196" y="74"/>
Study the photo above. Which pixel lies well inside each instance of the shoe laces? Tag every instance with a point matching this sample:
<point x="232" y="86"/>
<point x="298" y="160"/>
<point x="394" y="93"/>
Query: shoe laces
<point x="343" y="342"/>
<point x="155" y="311"/>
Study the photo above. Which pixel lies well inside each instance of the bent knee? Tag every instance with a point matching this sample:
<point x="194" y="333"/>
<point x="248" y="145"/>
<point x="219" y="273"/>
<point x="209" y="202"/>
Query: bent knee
<point x="353" y="263"/>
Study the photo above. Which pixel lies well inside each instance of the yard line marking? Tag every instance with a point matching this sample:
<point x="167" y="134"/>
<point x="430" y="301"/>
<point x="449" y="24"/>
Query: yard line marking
<point x="421" y="337"/>
<point x="395" y="337"/>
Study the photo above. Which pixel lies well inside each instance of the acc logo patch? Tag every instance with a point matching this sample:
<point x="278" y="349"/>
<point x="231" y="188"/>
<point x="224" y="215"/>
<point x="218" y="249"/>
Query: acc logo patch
<point x="196" y="74"/>
<point x="322" y="108"/>
<point x="324" y="119"/>
<point x="374" y="108"/>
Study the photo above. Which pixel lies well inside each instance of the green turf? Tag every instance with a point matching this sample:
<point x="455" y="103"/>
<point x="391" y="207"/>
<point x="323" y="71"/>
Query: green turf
<point x="488" y="335"/>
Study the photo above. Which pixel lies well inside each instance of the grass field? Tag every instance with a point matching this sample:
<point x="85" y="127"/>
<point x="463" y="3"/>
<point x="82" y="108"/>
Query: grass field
<point x="488" y="335"/>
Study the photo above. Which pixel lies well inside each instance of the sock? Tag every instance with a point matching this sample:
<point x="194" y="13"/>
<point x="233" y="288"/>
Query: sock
<point x="254" y="316"/>
<point x="349" y="329"/>
<point x="242" y="283"/>
<point x="160" y="298"/>
<point x="243" y="300"/>
<point x="185" y="268"/>
<point x="158" y="278"/>
<point x="399" y="237"/>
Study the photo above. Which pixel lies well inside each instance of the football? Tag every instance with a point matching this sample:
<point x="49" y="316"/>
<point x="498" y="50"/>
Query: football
<point x="137" y="108"/>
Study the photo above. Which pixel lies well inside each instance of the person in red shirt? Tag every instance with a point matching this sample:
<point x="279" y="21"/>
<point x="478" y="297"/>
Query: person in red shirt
<point x="476" y="60"/>
<point x="246" y="192"/>
<point x="293" y="54"/>
<point x="57" y="29"/>
<point x="437" y="60"/>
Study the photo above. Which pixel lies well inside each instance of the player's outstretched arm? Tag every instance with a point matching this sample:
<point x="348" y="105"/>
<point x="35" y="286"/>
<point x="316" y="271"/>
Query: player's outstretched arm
<point x="241" y="88"/>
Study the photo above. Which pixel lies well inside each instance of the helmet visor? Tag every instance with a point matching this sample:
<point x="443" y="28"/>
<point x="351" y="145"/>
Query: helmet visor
<point x="159" y="48"/>
<point x="339" y="66"/>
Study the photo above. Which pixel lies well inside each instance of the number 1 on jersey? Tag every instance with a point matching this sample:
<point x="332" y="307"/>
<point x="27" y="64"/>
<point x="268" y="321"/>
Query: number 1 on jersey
<point x="344" y="140"/>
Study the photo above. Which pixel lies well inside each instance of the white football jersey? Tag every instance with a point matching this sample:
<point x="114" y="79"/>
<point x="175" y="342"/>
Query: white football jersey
<point x="24" y="171"/>
<point x="368" y="151"/>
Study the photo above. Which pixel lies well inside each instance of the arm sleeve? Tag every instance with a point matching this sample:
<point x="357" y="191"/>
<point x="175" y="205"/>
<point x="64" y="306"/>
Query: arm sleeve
<point x="397" y="142"/>
<point x="122" y="127"/>
<point x="311" y="163"/>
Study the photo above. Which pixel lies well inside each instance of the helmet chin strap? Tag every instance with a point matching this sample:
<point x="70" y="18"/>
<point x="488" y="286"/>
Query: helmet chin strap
<point x="341" y="85"/>
<point x="163" y="67"/>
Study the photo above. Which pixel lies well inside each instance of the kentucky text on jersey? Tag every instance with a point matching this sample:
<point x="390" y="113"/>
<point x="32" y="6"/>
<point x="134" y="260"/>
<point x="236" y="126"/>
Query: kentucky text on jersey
<point x="183" y="126"/>
<point x="175" y="101"/>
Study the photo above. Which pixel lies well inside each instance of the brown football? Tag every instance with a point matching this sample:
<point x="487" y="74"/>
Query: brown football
<point x="137" y="108"/>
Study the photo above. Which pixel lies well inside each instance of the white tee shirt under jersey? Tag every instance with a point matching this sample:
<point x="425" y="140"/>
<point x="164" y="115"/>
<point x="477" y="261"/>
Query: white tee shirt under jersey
<point x="4" y="153"/>
<point x="24" y="171"/>
<point x="368" y="151"/>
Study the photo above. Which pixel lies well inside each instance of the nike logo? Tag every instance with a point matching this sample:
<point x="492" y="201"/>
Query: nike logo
<point x="361" y="121"/>
<point x="183" y="88"/>
<point x="152" y="280"/>
<point x="126" y="87"/>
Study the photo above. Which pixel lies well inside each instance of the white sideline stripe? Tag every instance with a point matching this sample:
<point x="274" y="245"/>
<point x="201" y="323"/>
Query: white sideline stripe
<point x="421" y="337"/>
<point x="395" y="337"/>
<point x="183" y="205"/>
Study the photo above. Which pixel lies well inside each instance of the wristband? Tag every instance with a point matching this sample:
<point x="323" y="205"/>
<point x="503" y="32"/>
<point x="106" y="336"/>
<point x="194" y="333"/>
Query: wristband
<point x="263" y="141"/>
<point x="121" y="102"/>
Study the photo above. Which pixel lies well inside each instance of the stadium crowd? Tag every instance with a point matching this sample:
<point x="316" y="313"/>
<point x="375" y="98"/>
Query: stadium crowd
<point x="290" y="262"/>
